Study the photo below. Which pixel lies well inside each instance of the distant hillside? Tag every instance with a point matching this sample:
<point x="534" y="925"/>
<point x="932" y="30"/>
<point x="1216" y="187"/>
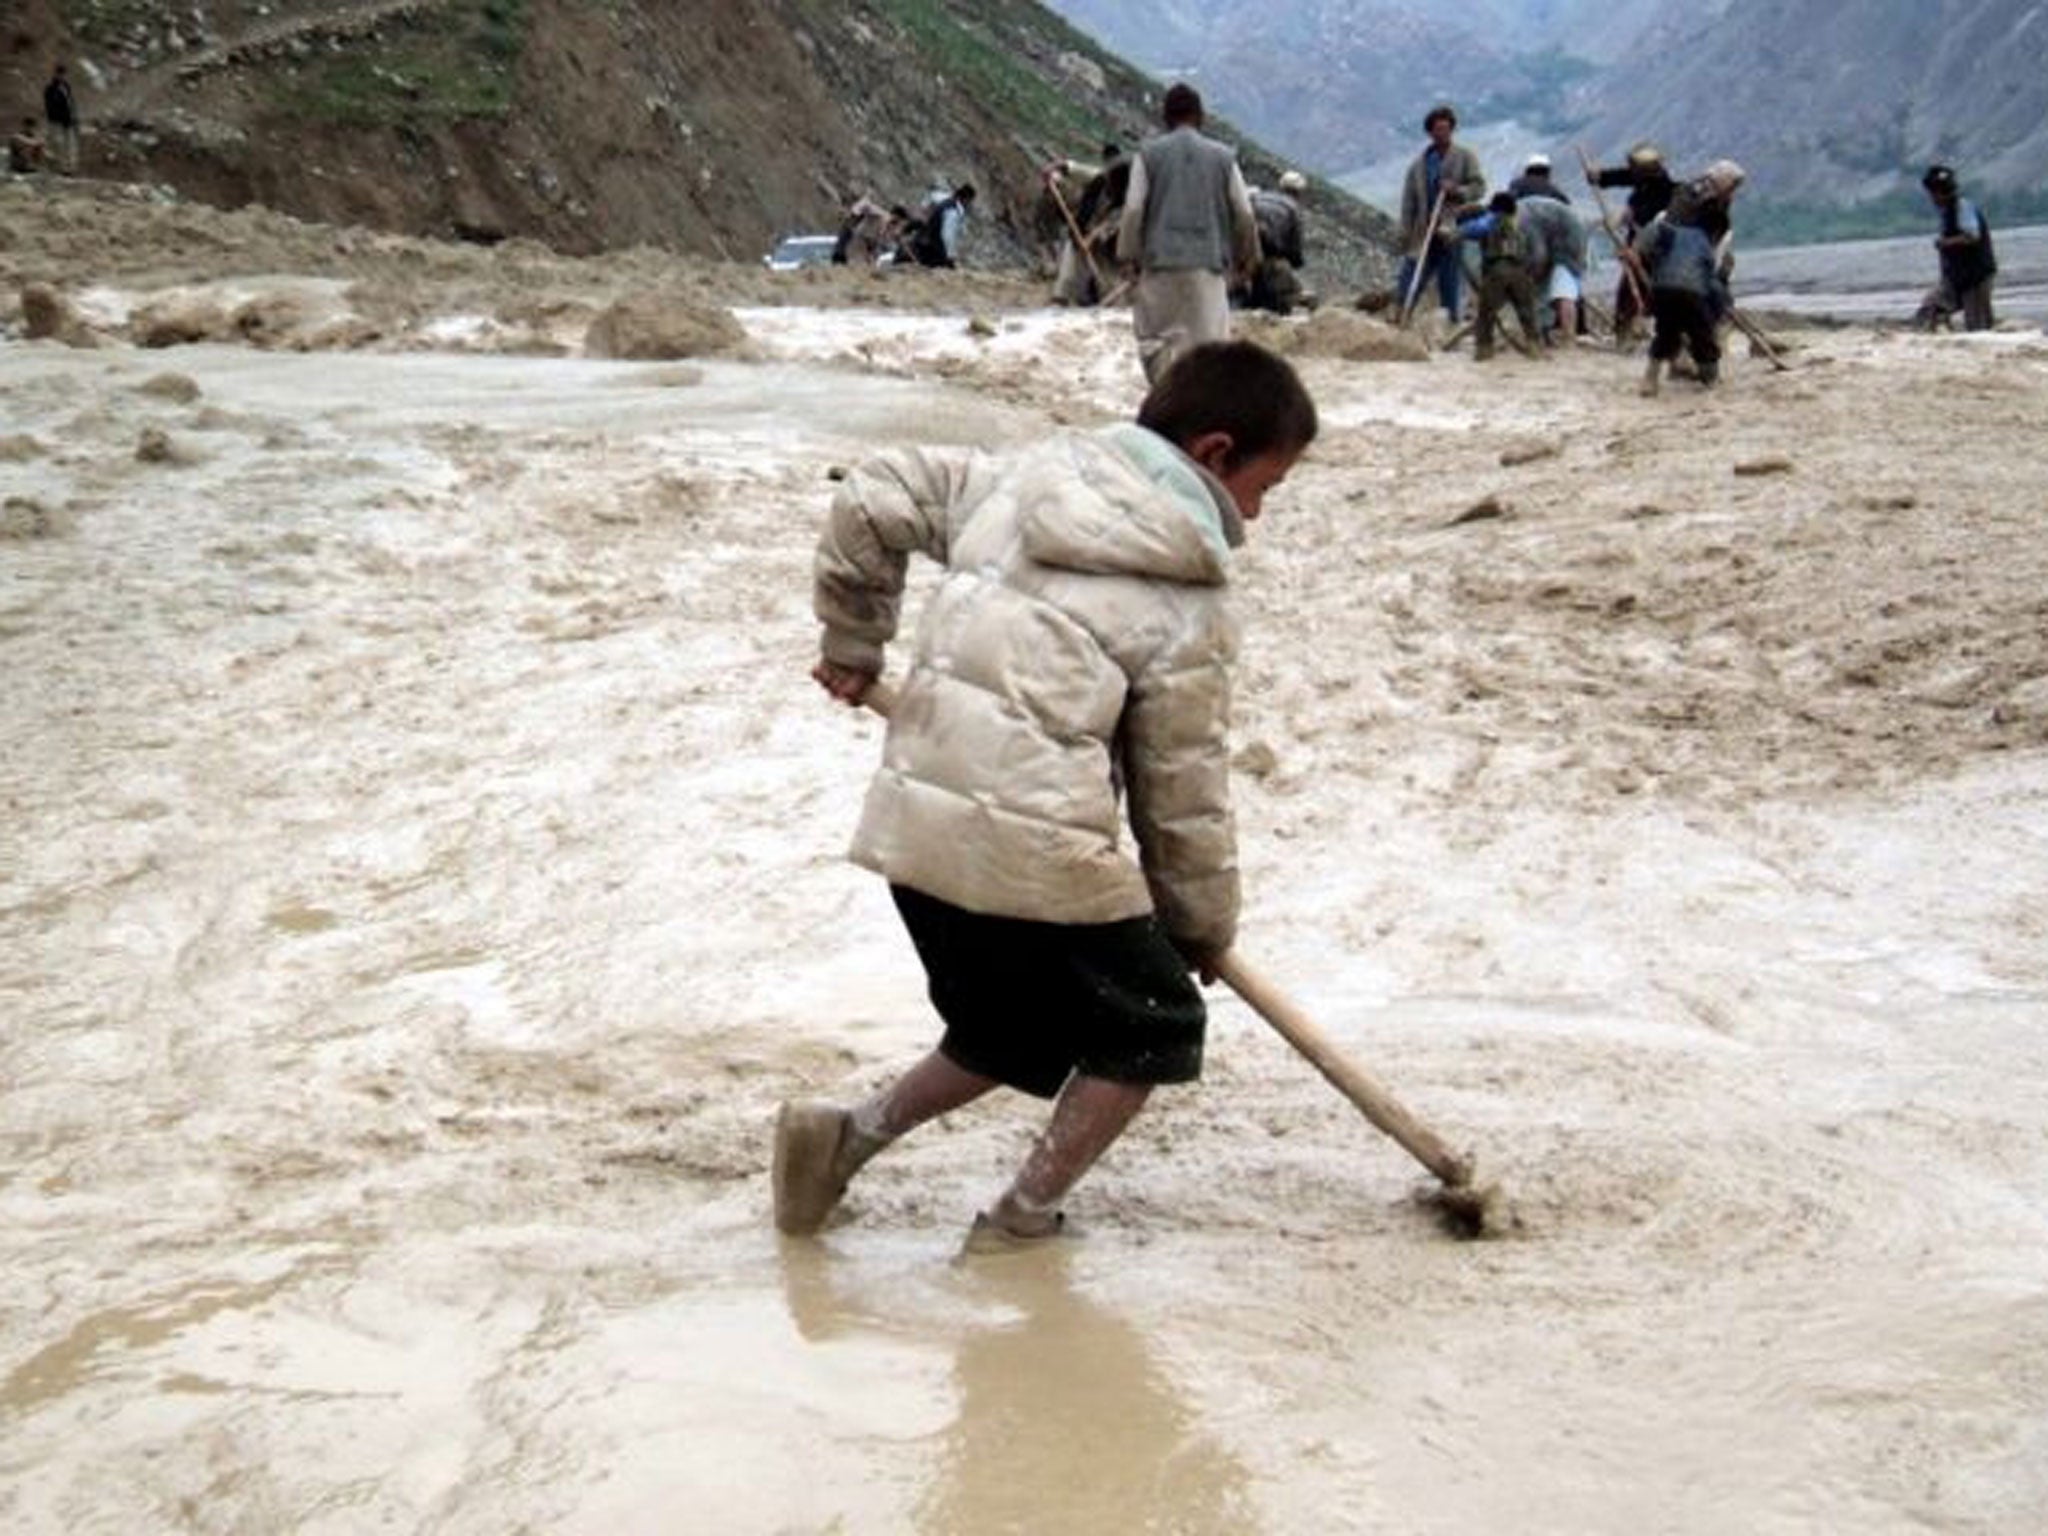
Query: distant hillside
<point x="1340" y="83"/>
<point x="706" y="126"/>
<point x="1834" y="106"/>
<point x="1844" y="102"/>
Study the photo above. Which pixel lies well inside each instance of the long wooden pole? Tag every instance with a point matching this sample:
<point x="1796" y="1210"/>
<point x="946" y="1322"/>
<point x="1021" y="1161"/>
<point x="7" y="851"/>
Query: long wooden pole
<point x="1436" y="214"/>
<point x="1622" y="253"/>
<point x="1346" y="1076"/>
<point x="1754" y="332"/>
<point x="1074" y="227"/>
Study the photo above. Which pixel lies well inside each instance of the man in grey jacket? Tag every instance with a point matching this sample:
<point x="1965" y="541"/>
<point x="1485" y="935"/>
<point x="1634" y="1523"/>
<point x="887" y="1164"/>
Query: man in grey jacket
<point x="1555" y="253"/>
<point x="1187" y="223"/>
<point x="1071" y="675"/>
<point x="1443" y="182"/>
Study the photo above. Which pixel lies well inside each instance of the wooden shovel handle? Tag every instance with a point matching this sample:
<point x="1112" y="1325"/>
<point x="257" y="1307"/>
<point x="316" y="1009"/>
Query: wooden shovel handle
<point x="1436" y="213"/>
<point x="1074" y="228"/>
<point x="1622" y="251"/>
<point x="1345" y="1075"/>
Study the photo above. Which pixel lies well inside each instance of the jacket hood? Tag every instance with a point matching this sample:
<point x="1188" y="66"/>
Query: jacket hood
<point x="1154" y="512"/>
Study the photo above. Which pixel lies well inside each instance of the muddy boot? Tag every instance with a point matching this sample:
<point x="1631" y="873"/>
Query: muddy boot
<point x="817" y="1153"/>
<point x="1651" y="375"/>
<point x="1710" y="374"/>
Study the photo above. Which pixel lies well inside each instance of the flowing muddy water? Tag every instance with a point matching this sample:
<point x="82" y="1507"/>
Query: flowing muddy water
<point x="422" y="879"/>
<point x="1868" y="280"/>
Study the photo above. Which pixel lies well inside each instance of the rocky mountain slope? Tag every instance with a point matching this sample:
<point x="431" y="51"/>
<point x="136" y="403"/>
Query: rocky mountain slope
<point x="1831" y="104"/>
<point x="703" y="126"/>
<point x="1845" y="101"/>
<point x="1342" y="83"/>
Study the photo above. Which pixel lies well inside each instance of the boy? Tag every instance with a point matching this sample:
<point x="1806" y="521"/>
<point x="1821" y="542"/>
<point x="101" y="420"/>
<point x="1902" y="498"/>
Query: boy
<point x="1686" y="255"/>
<point x="1076" y="655"/>
<point x="1503" y="274"/>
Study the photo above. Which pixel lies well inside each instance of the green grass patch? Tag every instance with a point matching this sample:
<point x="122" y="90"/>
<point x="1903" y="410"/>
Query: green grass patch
<point x="975" y="62"/>
<point x="457" y="61"/>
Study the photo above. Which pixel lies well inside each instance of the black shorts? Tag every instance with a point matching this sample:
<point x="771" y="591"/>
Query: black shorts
<point x="1028" y="1003"/>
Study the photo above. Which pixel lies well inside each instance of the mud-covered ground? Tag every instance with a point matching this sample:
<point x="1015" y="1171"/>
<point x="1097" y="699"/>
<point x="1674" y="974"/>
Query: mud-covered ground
<point x="421" y="880"/>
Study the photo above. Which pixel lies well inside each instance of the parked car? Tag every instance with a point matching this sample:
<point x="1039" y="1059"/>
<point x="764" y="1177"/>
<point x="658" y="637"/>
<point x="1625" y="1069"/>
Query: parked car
<point x="793" y="252"/>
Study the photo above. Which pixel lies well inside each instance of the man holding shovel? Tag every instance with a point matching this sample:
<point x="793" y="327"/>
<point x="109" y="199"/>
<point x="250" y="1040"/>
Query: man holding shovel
<point x="1071" y="676"/>
<point x="1650" y="190"/>
<point x="1187" y="225"/>
<point x="1443" y="182"/>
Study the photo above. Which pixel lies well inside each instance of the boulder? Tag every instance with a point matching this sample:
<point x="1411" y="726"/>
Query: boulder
<point x="47" y="314"/>
<point x="652" y="328"/>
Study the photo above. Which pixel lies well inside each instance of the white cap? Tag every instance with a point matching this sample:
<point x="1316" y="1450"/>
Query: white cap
<point x="1538" y="163"/>
<point x="1292" y="181"/>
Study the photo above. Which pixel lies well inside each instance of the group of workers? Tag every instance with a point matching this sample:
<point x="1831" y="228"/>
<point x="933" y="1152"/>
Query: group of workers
<point x="870" y="233"/>
<point x="1177" y="229"/>
<point x="1080" y="218"/>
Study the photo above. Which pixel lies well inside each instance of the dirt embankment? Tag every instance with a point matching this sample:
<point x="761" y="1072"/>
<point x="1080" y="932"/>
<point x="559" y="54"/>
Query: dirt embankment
<point x="700" y="128"/>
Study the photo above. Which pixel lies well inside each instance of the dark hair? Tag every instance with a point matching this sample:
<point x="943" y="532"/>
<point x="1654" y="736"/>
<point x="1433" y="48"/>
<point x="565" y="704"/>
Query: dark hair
<point x="1110" y="150"/>
<point x="964" y="192"/>
<point x="1442" y="110"/>
<point x="1183" y="104"/>
<point x="1236" y="387"/>
<point x="1502" y="202"/>
<point x="1939" y="178"/>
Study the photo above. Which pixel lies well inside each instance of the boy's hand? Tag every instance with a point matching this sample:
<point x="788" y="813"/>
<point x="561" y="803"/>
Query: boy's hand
<point x="849" y="685"/>
<point x="1201" y="961"/>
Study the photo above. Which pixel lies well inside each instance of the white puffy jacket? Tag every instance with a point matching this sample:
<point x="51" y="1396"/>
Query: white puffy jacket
<point x="1079" y="646"/>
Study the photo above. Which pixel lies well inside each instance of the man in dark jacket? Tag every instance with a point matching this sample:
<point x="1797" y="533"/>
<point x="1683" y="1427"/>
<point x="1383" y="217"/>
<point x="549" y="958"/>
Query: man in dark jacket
<point x="60" y="111"/>
<point x="936" y="241"/>
<point x="1967" y="261"/>
<point x="1650" y="188"/>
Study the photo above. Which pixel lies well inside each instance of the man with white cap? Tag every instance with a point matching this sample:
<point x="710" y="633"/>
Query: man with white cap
<point x="1275" y="285"/>
<point x="1535" y="181"/>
